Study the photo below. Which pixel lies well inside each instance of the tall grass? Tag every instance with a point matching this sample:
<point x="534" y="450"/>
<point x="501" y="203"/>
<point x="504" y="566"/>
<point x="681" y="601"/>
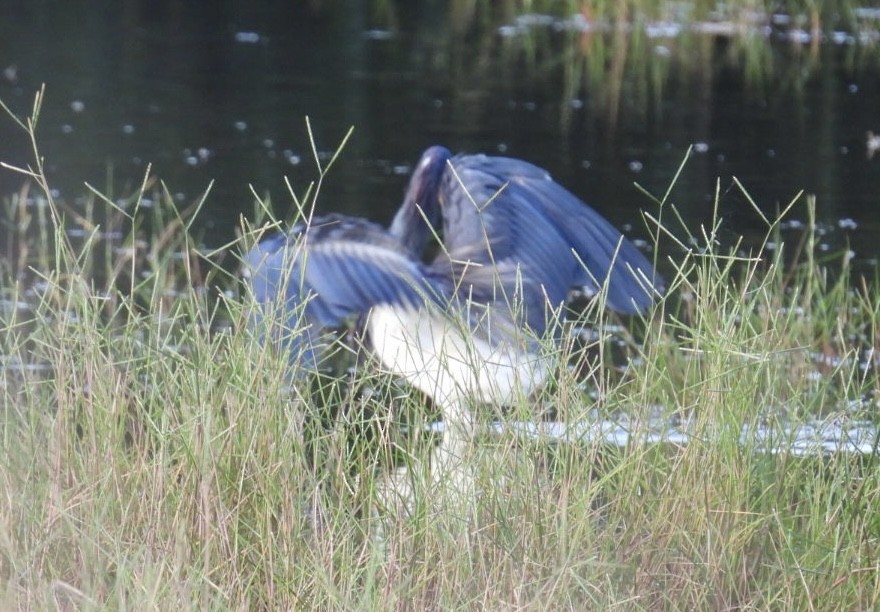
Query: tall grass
<point x="156" y="455"/>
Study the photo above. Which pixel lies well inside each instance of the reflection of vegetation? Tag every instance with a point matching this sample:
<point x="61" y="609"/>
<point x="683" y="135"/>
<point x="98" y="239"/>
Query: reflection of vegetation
<point x="608" y="52"/>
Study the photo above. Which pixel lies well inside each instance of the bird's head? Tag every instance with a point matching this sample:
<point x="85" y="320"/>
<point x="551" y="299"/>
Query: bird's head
<point x="420" y="216"/>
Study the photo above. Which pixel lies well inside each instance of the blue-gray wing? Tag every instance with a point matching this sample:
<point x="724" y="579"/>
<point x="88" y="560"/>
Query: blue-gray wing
<point x="325" y="274"/>
<point x="499" y="209"/>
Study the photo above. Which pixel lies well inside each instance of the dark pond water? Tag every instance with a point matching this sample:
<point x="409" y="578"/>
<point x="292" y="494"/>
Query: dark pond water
<point x="220" y="93"/>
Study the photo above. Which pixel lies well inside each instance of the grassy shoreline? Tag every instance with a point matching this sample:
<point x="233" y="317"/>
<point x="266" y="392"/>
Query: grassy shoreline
<point x="154" y="456"/>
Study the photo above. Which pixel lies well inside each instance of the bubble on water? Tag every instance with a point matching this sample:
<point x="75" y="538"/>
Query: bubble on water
<point x="635" y="166"/>
<point x="780" y="19"/>
<point x="841" y="38"/>
<point x="701" y="147"/>
<point x="585" y="164"/>
<point x="240" y="126"/>
<point x="66" y="128"/>
<point x="852" y="88"/>
<point x="248" y="38"/>
<point x="508" y="31"/>
<point x="867" y="13"/>
<point x="847" y="224"/>
<point x="502" y="147"/>
<point x="10" y="73"/>
<point x="268" y="143"/>
<point x="799" y="36"/>
<point x="532" y="20"/>
<point x="128" y="129"/>
<point x="662" y="29"/>
<point x="77" y="106"/>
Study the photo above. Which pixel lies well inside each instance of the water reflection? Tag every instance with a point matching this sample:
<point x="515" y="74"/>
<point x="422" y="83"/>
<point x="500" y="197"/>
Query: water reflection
<point x="602" y="94"/>
<point x="817" y="437"/>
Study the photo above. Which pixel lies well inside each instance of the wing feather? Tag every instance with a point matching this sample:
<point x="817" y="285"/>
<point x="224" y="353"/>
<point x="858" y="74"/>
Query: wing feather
<point x="323" y="274"/>
<point x="498" y="209"/>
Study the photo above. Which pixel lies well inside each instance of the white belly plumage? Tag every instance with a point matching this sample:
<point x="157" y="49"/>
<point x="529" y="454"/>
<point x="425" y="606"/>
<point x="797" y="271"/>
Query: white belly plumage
<point x="439" y="356"/>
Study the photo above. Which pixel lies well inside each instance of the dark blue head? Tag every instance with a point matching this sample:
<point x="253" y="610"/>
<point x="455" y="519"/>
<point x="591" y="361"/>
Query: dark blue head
<point x="420" y="215"/>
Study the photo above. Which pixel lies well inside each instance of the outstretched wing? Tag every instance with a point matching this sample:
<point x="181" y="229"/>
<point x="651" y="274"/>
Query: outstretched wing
<point x="498" y="209"/>
<point x="323" y="274"/>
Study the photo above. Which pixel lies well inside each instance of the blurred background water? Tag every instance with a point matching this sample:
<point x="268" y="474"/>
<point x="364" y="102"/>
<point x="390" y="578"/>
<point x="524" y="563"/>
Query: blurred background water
<point x="603" y="95"/>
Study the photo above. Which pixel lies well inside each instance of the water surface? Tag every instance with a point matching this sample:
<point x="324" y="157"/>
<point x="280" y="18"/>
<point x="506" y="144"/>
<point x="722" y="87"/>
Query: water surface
<point x="221" y="94"/>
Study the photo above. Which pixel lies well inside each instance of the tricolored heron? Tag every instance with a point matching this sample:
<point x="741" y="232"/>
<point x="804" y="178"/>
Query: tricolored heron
<point x="464" y="325"/>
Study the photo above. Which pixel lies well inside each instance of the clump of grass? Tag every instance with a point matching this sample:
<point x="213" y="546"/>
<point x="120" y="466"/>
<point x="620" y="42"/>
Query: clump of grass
<point x="157" y="454"/>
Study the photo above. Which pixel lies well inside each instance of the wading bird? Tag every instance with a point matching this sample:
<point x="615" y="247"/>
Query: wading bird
<point x="462" y="325"/>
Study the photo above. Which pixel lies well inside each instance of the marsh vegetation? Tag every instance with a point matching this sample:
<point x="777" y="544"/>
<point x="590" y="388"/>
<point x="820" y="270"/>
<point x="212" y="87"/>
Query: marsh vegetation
<point x="157" y="454"/>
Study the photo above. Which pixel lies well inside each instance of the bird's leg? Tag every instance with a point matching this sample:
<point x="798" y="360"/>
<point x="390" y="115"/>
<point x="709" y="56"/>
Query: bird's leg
<point x="452" y="461"/>
<point x="448" y="486"/>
